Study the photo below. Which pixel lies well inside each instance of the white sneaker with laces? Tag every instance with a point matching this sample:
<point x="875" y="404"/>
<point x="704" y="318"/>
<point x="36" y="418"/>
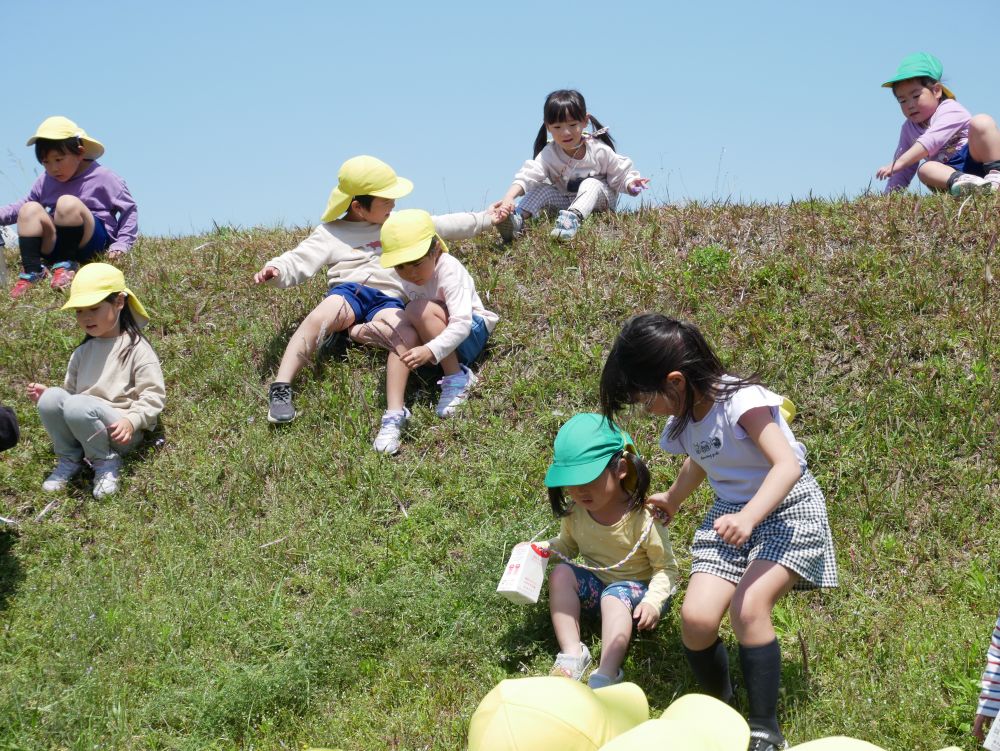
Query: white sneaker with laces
<point x="966" y="185"/>
<point x="993" y="180"/>
<point x="455" y="391"/>
<point x="66" y="470"/>
<point x="567" y="225"/>
<point x="106" y="473"/>
<point x="388" y="439"/>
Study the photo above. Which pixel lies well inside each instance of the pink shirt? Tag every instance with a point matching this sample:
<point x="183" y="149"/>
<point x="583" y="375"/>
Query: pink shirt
<point x="946" y="133"/>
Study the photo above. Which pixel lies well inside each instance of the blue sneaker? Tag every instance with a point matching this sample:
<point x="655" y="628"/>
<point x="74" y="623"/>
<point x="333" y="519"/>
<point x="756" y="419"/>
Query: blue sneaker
<point x="511" y="228"/>
<point x="567" y="225"/>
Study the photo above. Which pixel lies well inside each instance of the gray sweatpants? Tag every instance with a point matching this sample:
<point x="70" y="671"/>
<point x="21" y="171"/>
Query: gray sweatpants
<point x="594" y="195"/>
<point x="78" y="425"/>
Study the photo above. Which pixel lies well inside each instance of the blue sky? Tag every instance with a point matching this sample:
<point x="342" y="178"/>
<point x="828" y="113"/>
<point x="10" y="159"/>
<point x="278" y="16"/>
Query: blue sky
<point x="241" y="112"/>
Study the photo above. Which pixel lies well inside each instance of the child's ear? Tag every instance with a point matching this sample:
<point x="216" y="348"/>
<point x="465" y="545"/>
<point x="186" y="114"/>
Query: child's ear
<point x="937" y="91"/>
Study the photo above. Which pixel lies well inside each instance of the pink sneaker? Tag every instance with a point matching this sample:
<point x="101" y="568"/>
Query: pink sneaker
<point x="62" y="274"/>
<point x="27" y="281"/>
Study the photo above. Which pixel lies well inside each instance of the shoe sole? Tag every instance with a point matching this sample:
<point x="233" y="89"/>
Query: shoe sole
<point x="275" y="421"/>
<point x="507" y="231"/>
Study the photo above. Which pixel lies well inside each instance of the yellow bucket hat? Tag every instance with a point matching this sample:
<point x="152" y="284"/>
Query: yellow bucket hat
<point x="694" y="722"/>
<point x="363" y="176"/>
<point x="57" y="128"/>
<point x="405" y="236"/>
<point x="552" y="712"/>
<point x="94" y="282"/>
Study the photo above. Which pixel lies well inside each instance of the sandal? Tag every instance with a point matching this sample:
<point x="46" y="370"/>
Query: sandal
<point x="572" y="666"/>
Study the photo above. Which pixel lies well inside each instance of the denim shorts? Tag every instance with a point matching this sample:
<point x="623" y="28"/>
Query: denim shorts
<point x="474" y="343"/>
<point x="593" y="590"/>
<point x="366" y="302"/>
<point x="962" y="161"/>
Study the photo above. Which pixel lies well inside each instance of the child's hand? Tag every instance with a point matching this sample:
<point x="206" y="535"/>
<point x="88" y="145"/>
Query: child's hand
<point x="980" y="726"/>
<point x="646" y="617"/>
<point x="266" y="273"/>
<point x="35" y="391"/>
<point x="637" y="186"/>
<point x="496" y="213"/>
<point x="113" y="254"/>
<point x="734" y="529"/>
<point x="661" y="508"/>
<point x="504" y="207"/>
<point x="121" y="431"/>
<point x="884" y="172"/>
<point x="417" y="356"/>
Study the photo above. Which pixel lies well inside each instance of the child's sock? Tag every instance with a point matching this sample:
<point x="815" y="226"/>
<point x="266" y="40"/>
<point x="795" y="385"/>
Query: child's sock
<point x="711" y="670"/>
<point x="762" y="675"/>
<point x="68" y="239"/>
<point x="31" y="254"/>
<point x="990" y="166"/>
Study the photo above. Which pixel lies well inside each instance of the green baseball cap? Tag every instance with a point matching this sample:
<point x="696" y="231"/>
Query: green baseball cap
<point x="919" y="65"/>
<point x="583" y="448"/>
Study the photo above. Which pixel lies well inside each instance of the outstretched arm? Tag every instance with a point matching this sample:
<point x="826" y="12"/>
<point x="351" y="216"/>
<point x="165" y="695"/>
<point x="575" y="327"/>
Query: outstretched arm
<point x="687" y="480"/>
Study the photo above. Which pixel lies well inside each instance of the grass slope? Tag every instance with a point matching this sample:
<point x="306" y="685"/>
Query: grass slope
<point x="261" y="588"/>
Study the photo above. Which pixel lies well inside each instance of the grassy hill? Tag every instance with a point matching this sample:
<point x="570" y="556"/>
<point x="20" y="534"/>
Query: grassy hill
<point x="266" y="589"/>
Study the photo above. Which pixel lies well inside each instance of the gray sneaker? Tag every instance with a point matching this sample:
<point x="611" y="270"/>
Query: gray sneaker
<point x="66" y="470"/>
<point x="968" y="184"/>
<point x="281" y="410"/>
<point x="512" y="227"/>
<point x="106" y="475"/>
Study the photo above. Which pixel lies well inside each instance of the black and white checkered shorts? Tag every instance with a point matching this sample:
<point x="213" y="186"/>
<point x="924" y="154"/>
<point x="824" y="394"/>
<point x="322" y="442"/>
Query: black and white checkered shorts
<point x="796" y="535"/>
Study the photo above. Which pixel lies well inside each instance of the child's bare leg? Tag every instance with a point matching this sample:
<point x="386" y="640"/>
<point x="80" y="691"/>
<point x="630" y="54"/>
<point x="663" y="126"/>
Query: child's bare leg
<point x="935" y="175"/>
<point x="330" y="316"/>
<point x="71" y="212"/>
<point x="984" y="139"/>
<point x="34" y="221"/>
<point x="430" y="318"/>
<point x="564" y="607"/>
<point x="391" y="330"/>
<point x="616" y="633"/>
<point x="704" y="605"/>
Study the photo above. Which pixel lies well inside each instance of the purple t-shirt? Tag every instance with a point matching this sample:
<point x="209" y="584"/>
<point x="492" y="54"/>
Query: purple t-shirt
<point x="947" y="131"/>
<point x="100" y="190"/>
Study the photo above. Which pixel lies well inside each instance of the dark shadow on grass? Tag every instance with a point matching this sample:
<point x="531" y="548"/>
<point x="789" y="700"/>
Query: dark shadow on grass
<point x="11" y="574"/>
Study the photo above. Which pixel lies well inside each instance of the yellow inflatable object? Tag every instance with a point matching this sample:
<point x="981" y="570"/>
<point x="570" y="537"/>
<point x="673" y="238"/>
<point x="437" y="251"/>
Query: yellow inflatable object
<point x="692" y="723"/>
<point x="552" y="713"/>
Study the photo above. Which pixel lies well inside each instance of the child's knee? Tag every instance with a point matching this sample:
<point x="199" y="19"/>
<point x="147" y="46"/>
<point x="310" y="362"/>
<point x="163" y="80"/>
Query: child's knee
<point x="31" y="210"/>
<point x="562" y="577"/>
<point x="748" y="610"/>
<point x="982" y="124"/>
<point x="51" y="399"/>
<point x="695" y="620"/>
<point x="425" y="310"/>
<point x="69" y="206"/>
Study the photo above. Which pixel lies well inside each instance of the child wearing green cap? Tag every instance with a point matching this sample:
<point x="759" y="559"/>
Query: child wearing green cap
<point x="113" y="389"/>
<point x="629" y="572"/>
<point x="940" y="142"/>
<point x="363" y="299"/>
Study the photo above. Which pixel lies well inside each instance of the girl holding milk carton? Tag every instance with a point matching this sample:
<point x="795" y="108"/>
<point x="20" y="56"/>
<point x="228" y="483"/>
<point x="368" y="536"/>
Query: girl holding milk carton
<point x="629" y="571"/>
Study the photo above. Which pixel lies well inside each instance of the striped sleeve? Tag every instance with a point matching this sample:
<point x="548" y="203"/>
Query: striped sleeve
<point x="989" y="698"/>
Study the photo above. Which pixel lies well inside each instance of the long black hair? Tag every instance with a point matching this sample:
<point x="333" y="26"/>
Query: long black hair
<point x="127" y="324"/>
<point x="651" y="346"/>
<point x="636" y="495"/>
<point x="563" y="105"/>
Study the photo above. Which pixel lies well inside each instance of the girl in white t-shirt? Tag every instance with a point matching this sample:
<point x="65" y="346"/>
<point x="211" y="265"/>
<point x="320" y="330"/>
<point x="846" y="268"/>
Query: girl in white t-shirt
<point x="767" y="532"/>
<point x="577" y="172"/>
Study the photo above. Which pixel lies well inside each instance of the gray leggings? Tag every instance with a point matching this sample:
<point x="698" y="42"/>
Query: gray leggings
<point x="78" y="425"/>
<point x="594" y="195"/>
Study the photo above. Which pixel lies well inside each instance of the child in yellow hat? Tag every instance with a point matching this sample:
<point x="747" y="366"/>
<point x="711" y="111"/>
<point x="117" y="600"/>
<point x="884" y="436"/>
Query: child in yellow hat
<point x="113" y="390"/>
<point x="451" y="322"/>
<point x="76" y="210"/>
<point x="940" y="142"/>
<point x="363" y="299"/>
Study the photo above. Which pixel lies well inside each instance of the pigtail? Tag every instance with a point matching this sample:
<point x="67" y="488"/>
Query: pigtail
<point x="636" y="482"/>
<point x="540" y="140"/>
<point x="557" y="499"/>
<point x="605" y="136"/>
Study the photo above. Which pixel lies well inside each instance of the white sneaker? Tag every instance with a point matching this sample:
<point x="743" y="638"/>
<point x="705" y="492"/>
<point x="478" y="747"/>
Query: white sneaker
<point x="567" y="225"/>
<point x="66" y="470"/>
<point x="388" y="438"/>
<point x="106" y="474"/>
<point x="966" y="185"/>
<point x="455" y="391"/>
<point x="572" y="667"/>
<point x="993" y="180"/>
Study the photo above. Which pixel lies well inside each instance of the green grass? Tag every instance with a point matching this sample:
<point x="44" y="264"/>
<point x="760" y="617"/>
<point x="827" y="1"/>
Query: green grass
<point x="266" y="589"/>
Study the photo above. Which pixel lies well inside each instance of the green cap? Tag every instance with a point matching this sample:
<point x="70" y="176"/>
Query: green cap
<point x="919" y="65"/>
<point x="583" y="448"/>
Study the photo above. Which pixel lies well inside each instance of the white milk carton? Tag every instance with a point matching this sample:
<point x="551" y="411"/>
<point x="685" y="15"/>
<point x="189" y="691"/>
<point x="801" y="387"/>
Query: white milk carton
<point x="522" y="579"/>
<point x="992" y="741"/>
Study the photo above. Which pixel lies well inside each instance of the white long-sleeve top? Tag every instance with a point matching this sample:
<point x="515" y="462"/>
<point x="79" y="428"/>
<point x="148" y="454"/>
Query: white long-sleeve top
<point x="453" y="286"/>
<point x="351" y="252"/>
<point x="555" y="166"/>
<point x="989" y="697"/>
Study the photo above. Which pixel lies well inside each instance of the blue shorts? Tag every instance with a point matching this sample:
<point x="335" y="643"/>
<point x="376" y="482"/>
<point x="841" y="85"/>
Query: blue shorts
<point x="593" y="590"/>
<point x="366" y="302"/>
<point x="98" y="243"/>
<point x="962" y="161"/>
<point x="474" y="343"/>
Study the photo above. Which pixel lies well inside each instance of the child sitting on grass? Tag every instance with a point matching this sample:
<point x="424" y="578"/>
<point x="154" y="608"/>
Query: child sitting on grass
<point x="989" y="698"/>
<point x="9" y="432"/>
<point x="444" y="309"/>
<point x="960" y="153"/>
<point x="113" y="389"/>
<point x="363" y="298"/>
<point x="629" y="572"/>
<point x="73" y="212"/>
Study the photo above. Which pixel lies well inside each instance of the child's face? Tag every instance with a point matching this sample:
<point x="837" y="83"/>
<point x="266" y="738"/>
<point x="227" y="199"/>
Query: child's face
<point x="603" y="493"/>
<point x="62" y="166"/>
<point x="917" y="102"/>
<point x="568" y="133"/>
<point x="101" y="320"/>
<point x="379" y="212"/>
<point x="419" y="272"/>
<point x="668" y="401"/>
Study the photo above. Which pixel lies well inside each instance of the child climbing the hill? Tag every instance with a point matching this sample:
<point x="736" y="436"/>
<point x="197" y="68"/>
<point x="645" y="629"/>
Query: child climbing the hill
<point x="113" y="390"/>
<point x="578" y="172"/>
<point x="989" y="698"/>
<point x="959" y="153"/>
<point x="364" y="299"/>
<point x="629" y="572"/>
<point x="767" y="532"/>
<point x="451" y="322"/>
<point x="75" y="211"/>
